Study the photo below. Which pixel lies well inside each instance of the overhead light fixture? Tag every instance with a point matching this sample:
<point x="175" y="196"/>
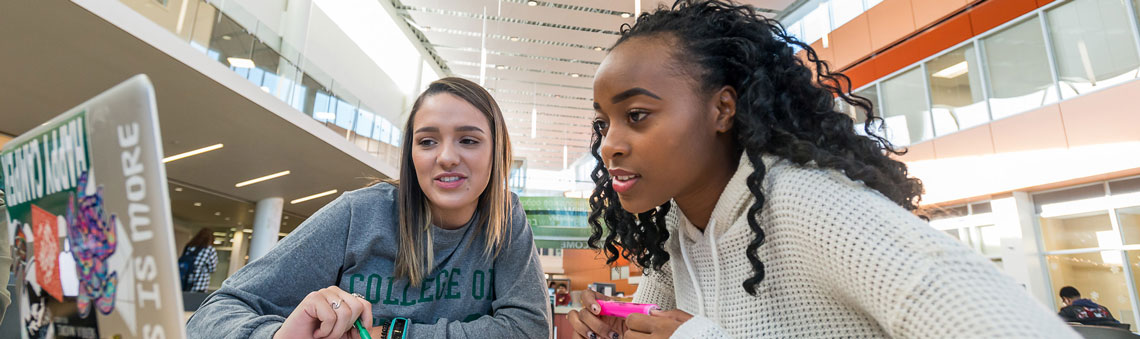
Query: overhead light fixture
<point x="501" y="67"/>
<point x="226" y="37"/>
<point x="514" y="38"/>
<point x="598" y="48"/>
<point x="532" y="3"/>
<point x="247" y="231"/>
<point x="325" y="116"/>
<point x="198" y="204"/>
<point x="191" y="153"/>
<point x="286" y="217"/>
<point x="257" y="180"/>
<point x="217" y="213"/>
<point x="575" y="75"/>
<point x="953" y="71"/>
<point x="314" y="196"/>
<point x="178" y="189"/>
<point x="240" y="62"/>
<point x="250" y="211"/>
<point x="227" y="218"/>
<point x="626" y="15"/>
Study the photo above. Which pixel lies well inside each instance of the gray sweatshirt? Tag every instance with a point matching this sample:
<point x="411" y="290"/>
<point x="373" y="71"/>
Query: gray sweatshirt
<point x="352" y="243"/>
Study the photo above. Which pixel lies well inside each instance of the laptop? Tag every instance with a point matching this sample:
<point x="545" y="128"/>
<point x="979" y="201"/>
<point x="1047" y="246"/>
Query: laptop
<point x="89" y="222"/>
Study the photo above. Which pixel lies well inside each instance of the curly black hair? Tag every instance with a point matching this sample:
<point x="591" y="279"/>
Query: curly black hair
<point x="786" y="107"/>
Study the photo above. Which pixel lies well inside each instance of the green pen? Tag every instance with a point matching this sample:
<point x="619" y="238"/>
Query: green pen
<point x="360" y="327"/>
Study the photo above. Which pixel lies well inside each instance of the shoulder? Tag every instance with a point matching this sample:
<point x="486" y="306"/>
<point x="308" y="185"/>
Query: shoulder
<point x="378" y="193"/>
<point x="828" y="191"/>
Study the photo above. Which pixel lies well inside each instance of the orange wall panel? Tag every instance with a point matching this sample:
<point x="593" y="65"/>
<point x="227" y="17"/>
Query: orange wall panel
<point x="862" y="73"/>
<point x="964" y="143"/>
<point x="1041" y="3"/>
<point x="993" y="13"/>
<point x="851" y="42"/>
<point x="927" y="12"/>
<point x="918" y="152"/>
<point x="825" y="54"/>
<point x="889" y="21"/>
<point x="586" y="266"/>
<point x="1109" y="116"/>
<point x="1040" y="129"/>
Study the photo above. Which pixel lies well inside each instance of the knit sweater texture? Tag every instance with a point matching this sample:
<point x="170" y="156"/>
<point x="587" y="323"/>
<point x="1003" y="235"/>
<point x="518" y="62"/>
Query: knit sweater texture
<point x="840" y="260"/>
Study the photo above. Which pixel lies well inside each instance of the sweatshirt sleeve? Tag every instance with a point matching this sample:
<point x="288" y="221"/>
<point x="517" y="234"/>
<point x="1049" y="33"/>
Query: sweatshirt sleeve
<point x="254" y="302"/>
<point x="913" y="280"/>
<point x="699" y="328"/>
<point x="521" y="308"/>
<point x="657" y="288"/>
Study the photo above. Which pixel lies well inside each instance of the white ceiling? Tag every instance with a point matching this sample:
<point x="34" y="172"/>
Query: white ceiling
<point x="539" y="57"/>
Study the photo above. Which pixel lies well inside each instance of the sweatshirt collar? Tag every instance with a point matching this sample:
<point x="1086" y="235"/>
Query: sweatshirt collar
<point x="733" y="202"/>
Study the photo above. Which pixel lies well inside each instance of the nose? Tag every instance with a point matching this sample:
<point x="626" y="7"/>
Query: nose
<point x="613" y="146"/>
<point x="448" y="156"/>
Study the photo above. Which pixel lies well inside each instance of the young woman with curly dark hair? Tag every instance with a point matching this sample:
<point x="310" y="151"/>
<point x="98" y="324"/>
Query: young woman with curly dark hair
<point x="727" y="173"/>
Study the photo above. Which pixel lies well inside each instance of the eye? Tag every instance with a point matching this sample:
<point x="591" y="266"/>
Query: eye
<point x="469" y="141"/>
<point x="637" y="115"/>
<point x="600" y="126"/>
<point x="426" y="142"/>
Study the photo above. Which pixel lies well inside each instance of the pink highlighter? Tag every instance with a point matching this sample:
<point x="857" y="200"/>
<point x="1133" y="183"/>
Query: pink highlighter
<point x="623" y="309"/>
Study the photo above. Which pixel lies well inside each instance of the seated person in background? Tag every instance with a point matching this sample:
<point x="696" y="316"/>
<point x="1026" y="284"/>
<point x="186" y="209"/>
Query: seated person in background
<point x="1083" y="311"/>
<point x="562" y="295"/>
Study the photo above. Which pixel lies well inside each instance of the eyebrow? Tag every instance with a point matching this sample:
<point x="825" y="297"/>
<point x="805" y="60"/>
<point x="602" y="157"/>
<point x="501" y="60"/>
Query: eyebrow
<point x="431" y="129"/>
<point x="632" y="92"/>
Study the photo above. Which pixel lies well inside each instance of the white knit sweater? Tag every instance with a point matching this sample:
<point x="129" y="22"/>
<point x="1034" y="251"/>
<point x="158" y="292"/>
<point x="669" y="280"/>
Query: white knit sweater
<point x="841" y="260"/>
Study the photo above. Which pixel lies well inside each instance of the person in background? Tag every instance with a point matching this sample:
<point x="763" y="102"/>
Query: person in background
<point x="562" y="295"/>
<point x="757" y="208"/>
<point x="1082" y="310"/>
<point x="5" y="258"/>
<point x="201" y="253"/>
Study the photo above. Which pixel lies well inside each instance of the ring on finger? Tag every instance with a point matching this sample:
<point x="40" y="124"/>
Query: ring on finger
<point x="358" y="295"/>
<point x="335" y="304"/>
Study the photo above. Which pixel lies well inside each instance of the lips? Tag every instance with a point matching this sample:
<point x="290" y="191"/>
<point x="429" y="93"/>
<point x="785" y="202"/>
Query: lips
<point x="623" y="180"/>
<point x="449" y="180"/>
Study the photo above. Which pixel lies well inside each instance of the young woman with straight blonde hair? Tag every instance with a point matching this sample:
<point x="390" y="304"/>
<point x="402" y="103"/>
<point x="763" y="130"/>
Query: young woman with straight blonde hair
<point x="446" y="248"/>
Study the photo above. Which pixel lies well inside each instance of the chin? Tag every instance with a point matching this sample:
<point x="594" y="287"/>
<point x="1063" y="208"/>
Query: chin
<point x="636" y="206"/>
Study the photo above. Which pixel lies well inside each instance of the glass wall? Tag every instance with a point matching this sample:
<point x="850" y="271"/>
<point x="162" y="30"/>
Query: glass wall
<point x="1091" y="241"/>
<point x="956" y="91"/>
<point x="1060" y="51"/>
<point x="1093" y="44"/>
<point x="1018" y="68"/>
<point x="814" y="20"/>
<point x="973" y="225"/>
<point x="907" y="118"/>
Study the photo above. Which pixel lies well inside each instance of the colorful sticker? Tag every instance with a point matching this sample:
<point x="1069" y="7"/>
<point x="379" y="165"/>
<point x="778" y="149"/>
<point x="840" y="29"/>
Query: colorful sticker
<point x="47" y="251"/>
<point x="92" y="243"/>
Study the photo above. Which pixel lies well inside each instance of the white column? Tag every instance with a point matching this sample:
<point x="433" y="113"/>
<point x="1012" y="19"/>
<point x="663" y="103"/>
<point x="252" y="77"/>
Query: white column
<point x="266" y="224"/>
<point x="1021" y="252"/>
<point x="237" y="252"/>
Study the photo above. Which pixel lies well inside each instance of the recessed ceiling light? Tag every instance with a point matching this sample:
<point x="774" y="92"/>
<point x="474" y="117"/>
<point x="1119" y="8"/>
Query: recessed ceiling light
<point x="217" y="213"/>
<point x="501" y="67"/>
<point x="532" y="3"/>
<point x="514" y="38"/>
<point x="227" y="218"/>
<point x="626" y="15"/>
<point x="198" y="204"/>
<point x="314" y="196"/>
<point x="250" y="211"/>
<point x="178" y="189"/>
<point x="264" y="178"/>
<point x="192" y="153"/>
<point x="240" y="62"/>
<point x="226" y="37"/>
<point x="598" y="48"/>
<point x="575" y="75"/>
<point x="286" y="217"/>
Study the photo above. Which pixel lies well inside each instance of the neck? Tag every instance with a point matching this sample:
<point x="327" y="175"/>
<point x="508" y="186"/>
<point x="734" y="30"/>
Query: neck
<point x="450" y="219"/>
<point x="699" y="202"/>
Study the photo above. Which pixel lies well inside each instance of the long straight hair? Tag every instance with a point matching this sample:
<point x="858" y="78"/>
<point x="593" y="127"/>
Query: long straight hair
<point x="415" y="256"/>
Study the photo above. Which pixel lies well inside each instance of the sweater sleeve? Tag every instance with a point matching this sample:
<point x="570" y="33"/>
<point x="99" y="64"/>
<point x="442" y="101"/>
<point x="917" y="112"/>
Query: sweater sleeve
<point x="700" y="328"/>
<point x="913" y="280"/>
<point x="254" y="302"/>
<point x="520" y="308"/>
<point x="657" y="288"/>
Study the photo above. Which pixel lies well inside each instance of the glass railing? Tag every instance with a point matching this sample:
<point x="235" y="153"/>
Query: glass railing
<point x="234" y="37"/>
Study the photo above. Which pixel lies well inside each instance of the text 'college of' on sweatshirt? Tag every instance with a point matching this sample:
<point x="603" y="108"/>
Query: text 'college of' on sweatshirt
<point x="352" y="243"/>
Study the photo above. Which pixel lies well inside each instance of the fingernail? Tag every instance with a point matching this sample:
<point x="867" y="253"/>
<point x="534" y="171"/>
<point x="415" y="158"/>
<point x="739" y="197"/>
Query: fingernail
<point x="592" y="335"/>
<point x="594" y="308"/>
<point x="613" y="335"/>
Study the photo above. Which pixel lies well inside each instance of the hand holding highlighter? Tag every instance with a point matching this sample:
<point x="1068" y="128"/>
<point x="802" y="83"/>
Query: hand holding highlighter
<point x="623" y="309"/>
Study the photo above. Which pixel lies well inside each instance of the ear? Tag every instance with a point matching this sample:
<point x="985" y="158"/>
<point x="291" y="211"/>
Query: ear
<point x="724" y="101"/>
